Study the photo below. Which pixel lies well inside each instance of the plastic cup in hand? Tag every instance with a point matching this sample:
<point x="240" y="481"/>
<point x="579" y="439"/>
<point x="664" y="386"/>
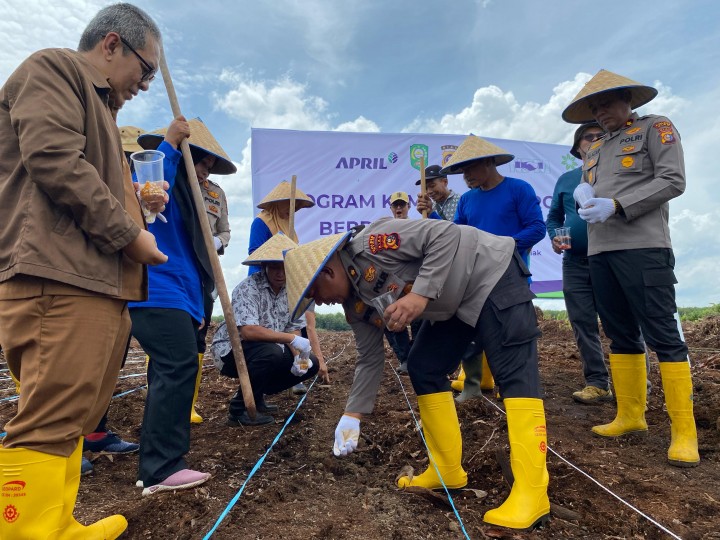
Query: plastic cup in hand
<point x="303" y="364"/>
<point x="563" y="236"/>
<point x="381" y="303"/>
<point x="149" y="172"/>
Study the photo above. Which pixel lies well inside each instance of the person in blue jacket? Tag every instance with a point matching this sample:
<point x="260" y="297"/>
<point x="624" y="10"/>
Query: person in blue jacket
<point x="497" y="204"/>
<point x="166" y="325"/>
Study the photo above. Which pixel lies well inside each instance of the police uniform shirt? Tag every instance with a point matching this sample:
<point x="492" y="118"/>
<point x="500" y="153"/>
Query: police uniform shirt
<point x="217" y="210"/>
<point x="416" y="251"/>
<point x="641" y="165"/>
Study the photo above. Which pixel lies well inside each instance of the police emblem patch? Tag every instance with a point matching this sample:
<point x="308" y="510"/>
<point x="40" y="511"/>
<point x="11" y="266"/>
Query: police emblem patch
<point x="628" y="148"/>
<point x="213" y="208"/>
<point x="627" y="161"/>
<point x="595" y="145"/>
<point x="352" y="272"/>
<point x="381" y="242"/>
<point x="632" y="131"/>
<point x="359" y="306"/>
<point x="667" y="138"/>
<point x="370" y="274"/>
<point x="213" y="194"/>
<point x="392" y="287"/>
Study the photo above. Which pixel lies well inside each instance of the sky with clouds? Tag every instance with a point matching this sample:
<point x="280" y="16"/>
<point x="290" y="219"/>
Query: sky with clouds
<point x="497" y="68"/>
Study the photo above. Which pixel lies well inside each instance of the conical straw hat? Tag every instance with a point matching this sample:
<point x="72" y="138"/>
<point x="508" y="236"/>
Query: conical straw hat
<point x="270" y="251"/>
<point x="472" y="149"/>
<point x="201" y="139"/>
<point x="129" y="136"/>
<point x="303" y="265"/>
<point x="578" y="112"/>
<point x="281" y="192"/>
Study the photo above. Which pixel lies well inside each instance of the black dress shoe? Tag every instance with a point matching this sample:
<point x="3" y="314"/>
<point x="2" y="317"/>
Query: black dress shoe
<point x="263" y="407"/>
<point x="245" y="420"/>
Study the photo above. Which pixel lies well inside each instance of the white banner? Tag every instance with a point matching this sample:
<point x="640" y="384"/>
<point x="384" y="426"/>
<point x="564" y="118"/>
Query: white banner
<point x="350" y="176"/>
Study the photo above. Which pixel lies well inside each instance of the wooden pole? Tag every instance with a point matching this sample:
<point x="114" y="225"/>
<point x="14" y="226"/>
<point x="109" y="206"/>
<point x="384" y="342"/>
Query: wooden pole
<point x="422" y="183"/>
<point x="293" y="189"/>
<point x="210" y="246"/>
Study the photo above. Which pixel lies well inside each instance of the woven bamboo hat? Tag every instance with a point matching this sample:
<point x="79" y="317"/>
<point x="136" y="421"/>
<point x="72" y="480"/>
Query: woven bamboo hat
<point x="281" y="192"/>
<point x="200" y="139"/>
<point x="129" y="136"/>
<point x="578" y="112"/>
<point x="303" y="265"/>
<point x="271" y="251"/>
<point x="472" y="149"/>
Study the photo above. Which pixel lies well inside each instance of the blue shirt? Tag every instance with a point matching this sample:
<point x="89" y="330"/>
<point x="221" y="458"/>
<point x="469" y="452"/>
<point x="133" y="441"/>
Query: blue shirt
<point x="563" y="213"/>
<point x="175" y="284"/>
<point x="259" y="234"/>
<point x="509" y="209"/>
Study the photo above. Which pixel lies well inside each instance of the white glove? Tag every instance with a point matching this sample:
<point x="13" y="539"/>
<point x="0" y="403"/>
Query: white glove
<point x="301" y="366"/>
<point x="301" y="344"/>
<point x="583" y="193"/>
<point x="347" y="434"/>
<point x="597" y="210"/>
<point x="218" y="243"/>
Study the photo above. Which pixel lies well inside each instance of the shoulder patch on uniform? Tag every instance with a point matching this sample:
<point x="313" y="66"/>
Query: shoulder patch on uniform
<point x="382" y="242"/>
<point x="666" y="131"/>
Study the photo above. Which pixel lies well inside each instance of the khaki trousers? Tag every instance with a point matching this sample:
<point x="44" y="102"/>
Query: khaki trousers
<point x="66" y="351"/>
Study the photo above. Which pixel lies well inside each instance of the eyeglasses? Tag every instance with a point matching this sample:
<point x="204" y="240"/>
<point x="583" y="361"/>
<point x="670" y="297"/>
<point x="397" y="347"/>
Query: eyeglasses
<point x="592" y="137"/>
<point x="398" y="204"/>
<point x="148" y="71"/>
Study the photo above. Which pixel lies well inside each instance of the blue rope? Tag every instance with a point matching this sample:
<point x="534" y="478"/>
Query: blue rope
<point x="256" y="467"/>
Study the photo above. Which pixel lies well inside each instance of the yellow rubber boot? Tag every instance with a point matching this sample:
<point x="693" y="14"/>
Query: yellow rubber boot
<point x="677" y="385"/>
<point x="34" y="503"/>
<point x="486" y="381"/>
<point x="630" y="381"/>
<point x="459" y="383"/>
<point x="442" y="435"/>
<point x="108" y="528"/>
<point x="16" y="381"/>
<point x="195" y="418"/>
<point x="473" y="373"/>
<point x="528" y="502"/>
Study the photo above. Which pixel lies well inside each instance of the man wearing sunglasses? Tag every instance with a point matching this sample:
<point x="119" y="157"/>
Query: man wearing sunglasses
<point x="72" y="249"/>
<point x="629" y="177"/>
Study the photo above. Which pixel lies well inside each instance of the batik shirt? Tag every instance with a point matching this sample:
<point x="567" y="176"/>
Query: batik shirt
<point x="254" y="303"/>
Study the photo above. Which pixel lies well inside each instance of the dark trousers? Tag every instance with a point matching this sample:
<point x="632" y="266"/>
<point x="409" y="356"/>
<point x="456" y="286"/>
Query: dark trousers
<point x="269" y="370"/>
<point x="401" y="342"/>
<point x="506" y="330"/>
<point x="583" y="316"/>
<point x="169" y="338"/>
<point x="635" y="290"/>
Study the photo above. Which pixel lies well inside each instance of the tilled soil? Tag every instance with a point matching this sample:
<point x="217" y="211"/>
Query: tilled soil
<point x="599" y="488"/>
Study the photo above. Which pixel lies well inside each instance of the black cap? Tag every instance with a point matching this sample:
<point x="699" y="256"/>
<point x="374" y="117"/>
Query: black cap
<point x="579" y="132"/>
<point x="431" y="173"/>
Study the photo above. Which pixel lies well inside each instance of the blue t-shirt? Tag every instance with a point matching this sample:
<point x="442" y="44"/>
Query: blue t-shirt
<point x="259" y="234"/>
<point x="509" y="209"/>
<point x="563" y="213"/>
<point x="175" y="284"/>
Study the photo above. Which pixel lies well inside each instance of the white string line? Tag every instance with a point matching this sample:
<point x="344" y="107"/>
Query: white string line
<point x="606" y="489"/>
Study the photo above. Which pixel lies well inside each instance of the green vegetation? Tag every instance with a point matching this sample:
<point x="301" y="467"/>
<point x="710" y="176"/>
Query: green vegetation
<point x="331" y="321"/>
<point x="686" y="314"/>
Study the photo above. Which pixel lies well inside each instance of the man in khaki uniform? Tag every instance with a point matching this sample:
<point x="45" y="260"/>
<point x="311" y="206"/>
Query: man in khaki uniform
<point x="489" y="302"/>
<point x="72" y="246"/>
<point x="629" y="176"/>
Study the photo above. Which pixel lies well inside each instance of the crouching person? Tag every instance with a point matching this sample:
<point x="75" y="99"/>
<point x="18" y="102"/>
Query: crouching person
<point x="277" y="357"/>
<point x="482" y="297"/>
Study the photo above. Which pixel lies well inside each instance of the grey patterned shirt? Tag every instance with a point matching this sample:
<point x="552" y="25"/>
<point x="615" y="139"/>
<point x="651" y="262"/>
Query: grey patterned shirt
<point x="254" y="303"/>
<point x="446" y="209"/>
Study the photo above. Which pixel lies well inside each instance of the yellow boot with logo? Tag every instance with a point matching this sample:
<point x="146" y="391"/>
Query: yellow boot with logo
<point x="35" y="499"/>
<point x="677" y="385"/>
<point x="630" y="381"/>
<point x="442" y="435"/>
<point x="528" y="503"/>
<point x="195" y="418"/>
<point x="459" y="383"/>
